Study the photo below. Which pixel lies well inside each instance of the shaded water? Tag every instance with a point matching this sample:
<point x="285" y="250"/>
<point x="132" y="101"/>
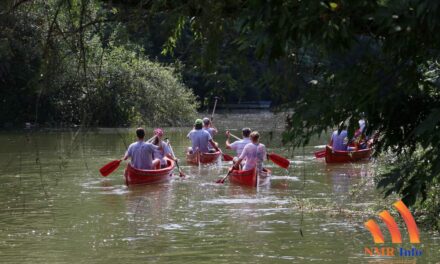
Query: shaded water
<point x="56" y="208"/>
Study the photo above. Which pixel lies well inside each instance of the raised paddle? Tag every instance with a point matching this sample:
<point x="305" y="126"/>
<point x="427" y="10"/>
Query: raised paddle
<point x="151" y="139"/>
<point x="275" y="158"/>
<point x="222" y="180"/>
<point x="226" y="157"/>
<point x="181" y="174"/>
<point x="234" y="136"/>
<point x="109" y="167"/>
<point x="113" y="165"/>
<point x="320" y="154"/>
<point x="213" y="109"/>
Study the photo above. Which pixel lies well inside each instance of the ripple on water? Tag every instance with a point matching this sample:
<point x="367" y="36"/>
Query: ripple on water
<point x="118" y="190"/>
<point x="265" y="200"/>
<point x="105" y="187"/>
<point x="289" y="178"/>
<point x="172" y="227"/>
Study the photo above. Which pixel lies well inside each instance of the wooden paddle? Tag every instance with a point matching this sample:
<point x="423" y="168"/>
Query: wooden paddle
<point x="225" y="156"/>
<point x="234" y="136"/>
<point x="320" y="154"/>
<point x="181" y="174"/>
<point x="213" y="109"/>
<point x="231" y="158"/>
<point x="222" y="180"/>
<point x="113" y="165"/>
<point x="275" y="158"/>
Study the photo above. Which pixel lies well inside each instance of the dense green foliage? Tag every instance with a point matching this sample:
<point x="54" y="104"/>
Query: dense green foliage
<point x="60" y="63"/>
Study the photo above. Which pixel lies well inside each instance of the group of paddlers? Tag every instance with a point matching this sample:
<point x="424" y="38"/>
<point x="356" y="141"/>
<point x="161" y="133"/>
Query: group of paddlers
<point x="150" y="154"/>
<point x="339" y="139"/>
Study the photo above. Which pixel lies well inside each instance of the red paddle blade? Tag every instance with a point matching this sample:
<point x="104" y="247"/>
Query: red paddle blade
<point x="320" y="154"/>
<point x="227" y="157"/>
<point x="222" y="180"/>
<point x="109" y="167"/>
<point x="278" y="160"/>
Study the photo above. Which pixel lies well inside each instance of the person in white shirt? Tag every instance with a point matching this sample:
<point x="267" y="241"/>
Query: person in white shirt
<point x="141" y="153"/>
<point x="239" y="145"/>
<point x="165" y="152"/>
<point x="200" y="138"/>
<point x="253" y="153"/>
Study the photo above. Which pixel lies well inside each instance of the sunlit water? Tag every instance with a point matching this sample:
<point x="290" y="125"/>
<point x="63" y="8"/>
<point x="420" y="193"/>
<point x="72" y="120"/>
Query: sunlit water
<point x="56" y="208"/>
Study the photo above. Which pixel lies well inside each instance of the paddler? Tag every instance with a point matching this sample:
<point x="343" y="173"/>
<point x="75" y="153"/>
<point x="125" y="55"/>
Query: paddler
<point x="165" y="152"/>
<point x="339" y="138"/>
<point x="207" y="125"/>
<point x="200" y="139"/>
<point x="254" y="154"/>
<point x="141" y="153"/>
<point x="360" y="138"/>
<point x="238" y="145"/>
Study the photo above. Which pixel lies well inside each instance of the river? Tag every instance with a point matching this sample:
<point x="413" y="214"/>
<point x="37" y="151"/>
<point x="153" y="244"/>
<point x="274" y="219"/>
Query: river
<point x="56" y="208"/>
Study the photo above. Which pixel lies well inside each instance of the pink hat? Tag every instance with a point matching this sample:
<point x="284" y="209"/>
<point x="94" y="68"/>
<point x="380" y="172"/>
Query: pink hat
<point x="158" y="132"/>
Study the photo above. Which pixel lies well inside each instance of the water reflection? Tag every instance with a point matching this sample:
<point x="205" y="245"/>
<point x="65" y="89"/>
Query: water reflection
<point x="342" y="177"/>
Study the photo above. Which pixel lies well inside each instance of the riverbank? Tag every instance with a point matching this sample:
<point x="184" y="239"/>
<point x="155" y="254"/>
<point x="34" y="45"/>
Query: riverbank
<point x="263" y="120"/>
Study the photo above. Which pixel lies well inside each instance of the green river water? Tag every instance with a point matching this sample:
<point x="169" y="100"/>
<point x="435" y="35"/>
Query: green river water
<point x="56" y="208"/>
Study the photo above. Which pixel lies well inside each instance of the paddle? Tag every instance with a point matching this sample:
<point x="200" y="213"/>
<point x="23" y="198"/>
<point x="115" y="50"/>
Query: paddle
<point x="222" y="180"/>
<point x="151" y="139"/>
<point x="181" y="174"/>
<point x="320" y="154"/>
<point x="213" y="109"/>
<point x="234" y="136"/>
<point x="275" y="158"/>
<point x="279" y="160"/>
<point x="113" y="165"/>
<point x="109" y="167"/>
<point x="227" y="157"/>
<point x="231" y="158"/>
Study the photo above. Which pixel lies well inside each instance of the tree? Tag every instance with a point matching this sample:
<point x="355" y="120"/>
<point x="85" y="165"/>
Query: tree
<point x="59" y="63"/>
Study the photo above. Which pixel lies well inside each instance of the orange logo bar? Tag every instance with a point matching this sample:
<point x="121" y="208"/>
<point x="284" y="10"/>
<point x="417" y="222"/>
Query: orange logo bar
<point x="409" y="221"/>
<point x="375" y="231"/>
<point x="389" y="221"/>
<point x="392" y="226"/>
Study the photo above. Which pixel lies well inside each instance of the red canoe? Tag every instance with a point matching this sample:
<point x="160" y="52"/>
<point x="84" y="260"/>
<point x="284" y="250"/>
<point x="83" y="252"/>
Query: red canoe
<point x="136" y="176"/>
<point x="337" y="156"/>
<point x="205" y="158"/>
<point x="250" y="177"/>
